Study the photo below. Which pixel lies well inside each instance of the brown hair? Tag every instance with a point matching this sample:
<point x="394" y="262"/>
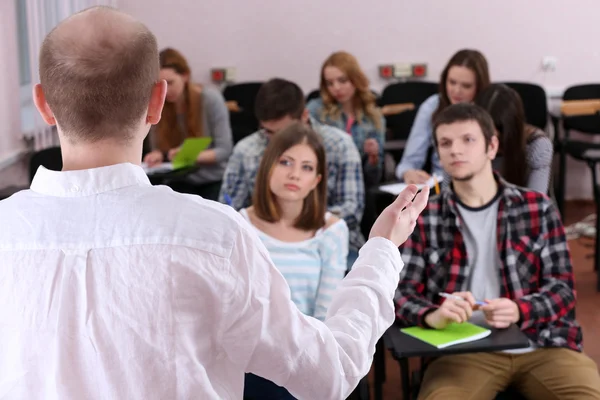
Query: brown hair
<point x="506" y="109"/>
<point x="265" y="205"/>
<point x="465" y="112"/>
<point x="364" y="100"/>
<point x="98" y="82"/>
<point x="168" y="133"/>
<point x="471" y="59"/>
<point x="278" y="98"/>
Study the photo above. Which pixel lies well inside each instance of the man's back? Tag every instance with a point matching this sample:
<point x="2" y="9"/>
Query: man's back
<point x="112" y="288"/>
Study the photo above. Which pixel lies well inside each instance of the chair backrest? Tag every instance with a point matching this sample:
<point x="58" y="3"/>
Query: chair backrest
<point x="405" y="92"/>
<point x="50" y="158"/>
<point x="315" y="94"/>
<point x="535" y="102"/>
<point x="589" y="124"/>
<point x="243" y="122"/>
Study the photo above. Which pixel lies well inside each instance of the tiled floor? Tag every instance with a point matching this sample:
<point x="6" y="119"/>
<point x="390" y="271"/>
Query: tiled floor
<point x="588" y="312"/>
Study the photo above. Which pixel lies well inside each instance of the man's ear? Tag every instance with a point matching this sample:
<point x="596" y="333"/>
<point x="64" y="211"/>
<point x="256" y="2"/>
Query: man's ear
<point x="157" y="102"/>
<point x="39" y="98"/>
<point x="493" y="147"/>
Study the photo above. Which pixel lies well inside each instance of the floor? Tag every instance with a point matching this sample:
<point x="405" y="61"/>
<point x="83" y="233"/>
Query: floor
<point x="587" y="305"/>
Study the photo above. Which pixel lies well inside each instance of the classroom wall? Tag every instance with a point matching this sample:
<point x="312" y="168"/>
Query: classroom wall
<point x="265" y="38"/>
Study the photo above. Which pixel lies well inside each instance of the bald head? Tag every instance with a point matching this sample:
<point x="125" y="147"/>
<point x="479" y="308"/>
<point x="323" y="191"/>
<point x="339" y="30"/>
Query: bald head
<point x="97" y="71"/>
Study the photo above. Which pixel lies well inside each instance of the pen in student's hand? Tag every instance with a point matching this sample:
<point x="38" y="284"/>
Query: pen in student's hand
<point x="436" y="185"/>
<point x="451" y="296"/>
<point x="227" y="199"/>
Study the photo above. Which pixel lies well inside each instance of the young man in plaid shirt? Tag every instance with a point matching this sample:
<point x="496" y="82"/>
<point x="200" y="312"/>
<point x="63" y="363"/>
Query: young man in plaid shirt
<point x="483" y="238"/>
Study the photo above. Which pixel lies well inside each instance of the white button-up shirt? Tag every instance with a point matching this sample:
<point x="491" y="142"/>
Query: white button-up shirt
<point x="111" y="288"/>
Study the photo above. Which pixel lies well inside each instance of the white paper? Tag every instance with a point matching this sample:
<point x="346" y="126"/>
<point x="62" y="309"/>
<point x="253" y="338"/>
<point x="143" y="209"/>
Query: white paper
<point x="163" y="167"/>
<point x="396" y="188"/>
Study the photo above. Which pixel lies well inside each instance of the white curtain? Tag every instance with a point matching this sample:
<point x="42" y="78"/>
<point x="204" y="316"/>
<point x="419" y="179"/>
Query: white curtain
<point x="42" y="16"/>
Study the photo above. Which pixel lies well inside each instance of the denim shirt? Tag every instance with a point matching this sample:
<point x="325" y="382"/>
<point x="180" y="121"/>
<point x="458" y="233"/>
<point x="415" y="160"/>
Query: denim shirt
<point x="420" y="140"/>
<point x="360" y="131"/>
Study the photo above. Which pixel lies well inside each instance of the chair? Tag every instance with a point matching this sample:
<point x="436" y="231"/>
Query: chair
<point x="50" y="158"/>
<point x="243" y="121"/>
<point x="399" y="125"/>
<point x="586" y="124"/>
<point x="535" y="102"/>
<point x="315" y="94"/>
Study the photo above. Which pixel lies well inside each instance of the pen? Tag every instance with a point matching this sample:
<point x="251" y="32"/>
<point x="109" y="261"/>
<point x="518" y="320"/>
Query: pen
<point x="436" y="185"/>
<point x="227" y="199"/>
<point x="451" y="296"/>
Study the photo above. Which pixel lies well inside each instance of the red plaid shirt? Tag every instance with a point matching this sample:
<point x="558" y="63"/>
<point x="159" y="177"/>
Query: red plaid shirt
<point x="536" y="268"/>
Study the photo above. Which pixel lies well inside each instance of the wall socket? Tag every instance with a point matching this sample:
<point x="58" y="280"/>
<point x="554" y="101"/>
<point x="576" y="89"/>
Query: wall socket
<point x="549" y="63"/>
<point x="403" y="70"/>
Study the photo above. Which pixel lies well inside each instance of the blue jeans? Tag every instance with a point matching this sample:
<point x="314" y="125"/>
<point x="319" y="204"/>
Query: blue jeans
<point x="257" y="388"/>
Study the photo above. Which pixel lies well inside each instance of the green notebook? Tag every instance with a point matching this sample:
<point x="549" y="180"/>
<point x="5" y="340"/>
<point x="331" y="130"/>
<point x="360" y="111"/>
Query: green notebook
<point x="450" y="335"/>
<point x="191" y="147"/>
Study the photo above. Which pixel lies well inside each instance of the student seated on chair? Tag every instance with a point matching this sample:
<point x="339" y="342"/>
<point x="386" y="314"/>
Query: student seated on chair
<point x="525" y="152"/>
<point x="486" y="239"/>
<point x="308" y="245"/>
<point x="112" y="288"/>
<point x="347" y="103"/>
<point x="191" y="110"/>
<point x="279" y="103"/>
<point x="465" y="75"/>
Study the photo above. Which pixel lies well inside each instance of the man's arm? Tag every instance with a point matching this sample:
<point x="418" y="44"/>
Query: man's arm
<point x="411" y="304"/>
<point x="555" y="297"/>
<point x="348" y="200"/>
<point x="267" y="335"/>
<point x="264" y="333"/>
<point x="235" y="188"/>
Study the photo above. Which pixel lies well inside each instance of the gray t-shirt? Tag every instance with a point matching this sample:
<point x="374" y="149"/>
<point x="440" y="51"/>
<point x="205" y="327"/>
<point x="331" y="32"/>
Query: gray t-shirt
<point x="479" y="230"/>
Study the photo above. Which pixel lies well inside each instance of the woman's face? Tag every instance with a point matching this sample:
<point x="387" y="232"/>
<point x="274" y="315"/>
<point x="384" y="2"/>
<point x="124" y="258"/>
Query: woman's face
<point x="175" y="83"/>
<point x="461" y="84"/>
<point x="295" y="174"/>
<point x="338" y="84"/>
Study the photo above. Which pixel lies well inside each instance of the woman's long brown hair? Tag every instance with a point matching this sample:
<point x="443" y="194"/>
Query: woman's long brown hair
<point x="169" y="134"/>
<point x="471" y="59"/>
<point x="364" y="100"/>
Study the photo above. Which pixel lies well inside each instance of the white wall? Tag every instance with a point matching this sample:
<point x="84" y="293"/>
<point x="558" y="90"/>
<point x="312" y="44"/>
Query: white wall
<point x="263" y="38"/>
<point x="266" y="38"/>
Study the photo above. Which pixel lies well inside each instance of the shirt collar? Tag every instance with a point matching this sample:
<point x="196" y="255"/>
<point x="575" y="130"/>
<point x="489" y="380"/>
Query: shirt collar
<point x="88" y="182"/>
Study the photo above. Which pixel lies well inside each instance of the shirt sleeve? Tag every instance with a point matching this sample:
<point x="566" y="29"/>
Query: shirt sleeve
<point x="265" y="334"/>
<point x="540" y="154"/>
<point x="419" y="139"/>
<point x="334" y="254"/>
<point x="348" y="200"/>
<point x="235" y="187"/>
<point x="219" y="126"/>
<point x="555" y="297"/>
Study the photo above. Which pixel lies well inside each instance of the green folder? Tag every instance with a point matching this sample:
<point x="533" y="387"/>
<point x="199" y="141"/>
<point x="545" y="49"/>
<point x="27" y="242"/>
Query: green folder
<point x="191" y="147"/>
<point x="449" y="336"/>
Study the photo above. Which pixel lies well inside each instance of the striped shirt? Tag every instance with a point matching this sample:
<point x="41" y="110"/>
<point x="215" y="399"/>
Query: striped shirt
<point x="313" y="268"/>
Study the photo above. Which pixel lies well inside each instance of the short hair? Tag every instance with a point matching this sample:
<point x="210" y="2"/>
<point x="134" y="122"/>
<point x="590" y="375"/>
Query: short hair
<point x="266" y="208"/>
<point x="278" y="98"/>
<point x="465" y="112"/>
<point x="98" y="78"/>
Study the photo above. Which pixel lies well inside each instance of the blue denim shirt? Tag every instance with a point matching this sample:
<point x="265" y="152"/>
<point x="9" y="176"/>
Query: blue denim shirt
<point x="360" y="131"/>
<point x="419" y="141"/>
